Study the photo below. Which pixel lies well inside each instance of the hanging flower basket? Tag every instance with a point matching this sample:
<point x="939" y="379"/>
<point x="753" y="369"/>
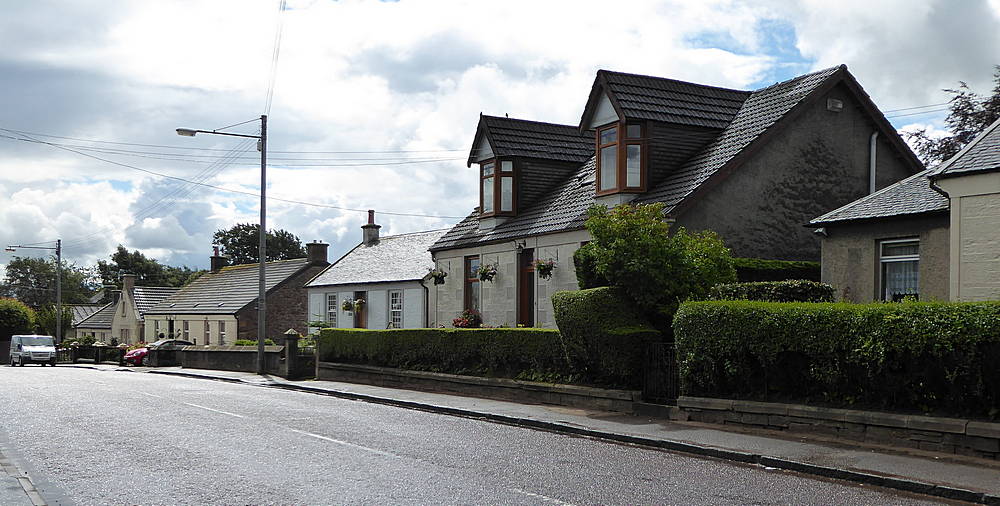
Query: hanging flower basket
<point x="359" y="304"/>
<point x="487" y="272"/>
<point x="347" y="305"/>
<point x="544" y="268"/>
<point x="437" y="275"/>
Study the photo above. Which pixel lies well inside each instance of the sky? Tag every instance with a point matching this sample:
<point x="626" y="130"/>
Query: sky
<point x="374" y="104"/>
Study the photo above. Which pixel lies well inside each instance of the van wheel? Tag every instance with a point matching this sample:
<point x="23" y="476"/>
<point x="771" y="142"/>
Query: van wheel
<point x="20" y="362"/>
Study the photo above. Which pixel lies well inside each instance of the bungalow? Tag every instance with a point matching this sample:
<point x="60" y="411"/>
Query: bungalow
<point x="80" y="313"/>
<point x="221" y="305"/>
<point x="932" y="236"/>
<point x="750" y="165"/>
<point x="96" y="324"/>
<point x="390" y="274"/>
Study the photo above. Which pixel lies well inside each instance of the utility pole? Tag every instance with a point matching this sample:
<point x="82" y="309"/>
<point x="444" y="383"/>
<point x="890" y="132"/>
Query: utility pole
<point x="58" y="249"/>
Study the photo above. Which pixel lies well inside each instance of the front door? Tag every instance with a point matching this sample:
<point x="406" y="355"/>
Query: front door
<point x="526" y="288"/>
<point x="361" y="313"/>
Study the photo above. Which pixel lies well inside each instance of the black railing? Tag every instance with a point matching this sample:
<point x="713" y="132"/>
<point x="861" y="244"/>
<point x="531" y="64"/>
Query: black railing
<point x="660" y="377"/>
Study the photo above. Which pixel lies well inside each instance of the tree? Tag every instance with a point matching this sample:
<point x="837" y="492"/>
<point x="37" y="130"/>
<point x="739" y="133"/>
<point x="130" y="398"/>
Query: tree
<point x="970" y="114"/>
<point x="242" y="242"/>
<point x="148" y="271"/>
<point x="632" y="249"/>
<point x="46" y="320"/>
<point x="15" y="318"/>
<point x="33" y="281"/>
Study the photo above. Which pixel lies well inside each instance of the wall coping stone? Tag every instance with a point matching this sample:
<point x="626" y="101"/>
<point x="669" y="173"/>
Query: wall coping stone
<point x="705" y="403"/>
<point x="243" y="349"/>
<point x="621" y="395"/>
<point x="939" y="424"/>
<point x="983" y="429"/>
<point x="766" y="408"/>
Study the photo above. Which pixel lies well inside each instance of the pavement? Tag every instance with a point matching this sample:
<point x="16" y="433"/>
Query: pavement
<point x="942" y="475"/>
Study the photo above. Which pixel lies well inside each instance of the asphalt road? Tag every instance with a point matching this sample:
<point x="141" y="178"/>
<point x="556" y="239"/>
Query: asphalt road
<point x="91" y="437"/>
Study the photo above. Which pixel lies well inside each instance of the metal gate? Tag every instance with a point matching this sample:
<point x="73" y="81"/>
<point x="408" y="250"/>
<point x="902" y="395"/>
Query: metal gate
<point x="660" y="378"/>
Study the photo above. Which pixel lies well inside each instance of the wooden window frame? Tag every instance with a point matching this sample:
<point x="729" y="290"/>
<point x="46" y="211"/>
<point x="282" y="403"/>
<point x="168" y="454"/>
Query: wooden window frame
<point x="622" y="142"/>
<point x="497" y="176"/>
<point x="470" y="278"/>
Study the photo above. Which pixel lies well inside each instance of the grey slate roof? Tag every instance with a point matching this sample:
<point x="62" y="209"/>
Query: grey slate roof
<point x="982" y="154"/>
<point x="762" y="109"/>
<point x="100" y="319"/>
<point x="911" y="196"/>
<point x="146" y="297"/>
<point x="565" y="207"/>
<point x="671" y="101"/>
<point x="534" y="139"/>
<point x="402" y="257"/>
<point x="228" y="290"/>
<point x="82" y="311"/>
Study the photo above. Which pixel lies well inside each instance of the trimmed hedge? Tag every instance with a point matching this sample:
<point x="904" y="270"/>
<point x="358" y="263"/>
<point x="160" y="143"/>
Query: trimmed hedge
<point x="758" y="269"/>
<point x="603" y="336"/>
<point x="528" y="354"/>
<point x="929" y="357"/>
<point x="15" y="318"/>
<point x="798" y="290"/>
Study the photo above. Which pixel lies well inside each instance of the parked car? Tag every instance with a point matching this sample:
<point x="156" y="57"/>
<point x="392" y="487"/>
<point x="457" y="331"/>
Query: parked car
<point x="32" y="348"/>
<point x="138" y="355"/>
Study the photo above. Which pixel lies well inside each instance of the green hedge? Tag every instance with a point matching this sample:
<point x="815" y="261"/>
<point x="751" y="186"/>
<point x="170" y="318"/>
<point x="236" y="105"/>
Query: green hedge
<point x="528" y="354"/>
<point x="603" y="336"/>
<point x="585" y="265"/>
<point x="797" y="290"/>
<point x="757" y="269"/>
<point x="15" y="318"/>
<point x="928" y="357"/>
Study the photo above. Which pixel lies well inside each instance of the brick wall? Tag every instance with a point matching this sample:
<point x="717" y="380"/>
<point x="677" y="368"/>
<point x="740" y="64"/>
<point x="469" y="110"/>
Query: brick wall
<point x="287" y="308"/>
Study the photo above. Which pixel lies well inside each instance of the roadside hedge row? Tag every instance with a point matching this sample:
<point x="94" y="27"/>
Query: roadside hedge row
<point x="929" y="357"/>
<point x="528" y="354"/>
<point x="796" y="290"/>
<point x="603" y="335"/>
<point x="758" y="269"/>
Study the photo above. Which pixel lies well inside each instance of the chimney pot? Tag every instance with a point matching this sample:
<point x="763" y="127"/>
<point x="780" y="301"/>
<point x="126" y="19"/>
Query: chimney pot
<point x="217" y="261"/>
<point x="371" y="216"/>
<point x="370" y="231"/>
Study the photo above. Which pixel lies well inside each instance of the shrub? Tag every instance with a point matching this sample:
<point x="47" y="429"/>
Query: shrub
<point x="757" y="269"/>
<point x="46" y="319"/>
<point x="603" y="335"/>
<point x="798" y="290"/>
<point x="585" y="263"/>
<point x="252" y="342"/>
<point x="927" y="357"/>
<point x="528" y="354"/>
<point x="15" y="318"/>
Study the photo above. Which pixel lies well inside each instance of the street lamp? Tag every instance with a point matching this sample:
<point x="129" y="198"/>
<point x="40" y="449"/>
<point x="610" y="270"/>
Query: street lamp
<point x="58" y="249"/>
<point x="262" y="248"/>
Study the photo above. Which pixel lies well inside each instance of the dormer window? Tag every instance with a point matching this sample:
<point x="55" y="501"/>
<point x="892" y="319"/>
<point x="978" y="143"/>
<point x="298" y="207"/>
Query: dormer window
<point x="621" y="162"/>
<point x="497" y="187"/>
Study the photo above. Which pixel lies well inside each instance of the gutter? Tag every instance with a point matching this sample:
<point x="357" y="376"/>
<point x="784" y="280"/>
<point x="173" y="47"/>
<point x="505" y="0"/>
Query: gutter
<point x="872" y="150"/>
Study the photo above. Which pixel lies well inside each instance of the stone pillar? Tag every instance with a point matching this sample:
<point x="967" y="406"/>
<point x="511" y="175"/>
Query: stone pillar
<point x="291" y="353"/>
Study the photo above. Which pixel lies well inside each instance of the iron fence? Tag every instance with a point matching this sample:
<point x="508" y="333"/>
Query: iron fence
<point x="660" y="379"/>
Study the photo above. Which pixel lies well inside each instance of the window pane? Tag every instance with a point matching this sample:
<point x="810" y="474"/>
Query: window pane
<point x="900" y="279"/>
<point x="609" y="135"/>
<point x="506" y="194"/>
<point x="474" y="295"/>
<point x="488" y="195"/>
<point x="488" y="168"/>
<point x="396" y="309"/>
<point x="331" y="309"/>
<point x="900" y="248"/>
<point x="473" y="268"/>
<point x="633" y="131"/>
<point x="506" y="166"/>
<point x="609" y="167"/>
<point x="633" y="165"/>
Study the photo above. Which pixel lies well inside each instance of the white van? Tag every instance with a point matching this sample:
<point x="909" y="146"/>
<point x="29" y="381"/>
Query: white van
<point x="28" y="349"/>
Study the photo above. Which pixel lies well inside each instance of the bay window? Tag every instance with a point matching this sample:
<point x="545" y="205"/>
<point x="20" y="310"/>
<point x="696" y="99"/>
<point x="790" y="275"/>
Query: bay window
<point x="621" y="162"/>
<point x="497" y="187"/>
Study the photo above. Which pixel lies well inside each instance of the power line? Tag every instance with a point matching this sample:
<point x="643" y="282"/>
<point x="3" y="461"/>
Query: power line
<point x="916" y="107"/>
<point x="920" y="112"/>
<point x="274" y="58"/>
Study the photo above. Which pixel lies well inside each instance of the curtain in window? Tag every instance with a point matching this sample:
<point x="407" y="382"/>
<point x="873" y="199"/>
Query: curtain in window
<point x="901" y="279"/>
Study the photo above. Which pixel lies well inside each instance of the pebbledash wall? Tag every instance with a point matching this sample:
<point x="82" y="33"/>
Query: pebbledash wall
<point x="499" y="297"/>
<point x="377" y="304"/>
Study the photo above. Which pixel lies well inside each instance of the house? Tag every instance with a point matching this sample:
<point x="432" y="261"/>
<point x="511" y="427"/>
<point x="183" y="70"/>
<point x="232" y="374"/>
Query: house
<point x="97" y="324"/>
<point x="220" y="306"/>
<point x="80" y="312"/>
<point x="389" y="273"/>
<point x="932" y="236"/>
<point x="123" y="321"/>
<point x="750" y="165"/>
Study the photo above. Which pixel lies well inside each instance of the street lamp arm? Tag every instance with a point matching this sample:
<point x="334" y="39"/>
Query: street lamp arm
<point x="190" y="132"/>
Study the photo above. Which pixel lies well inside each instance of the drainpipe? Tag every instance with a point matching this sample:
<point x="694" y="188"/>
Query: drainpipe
<point x="427" y="303"/>
<point x="872" y="149"/>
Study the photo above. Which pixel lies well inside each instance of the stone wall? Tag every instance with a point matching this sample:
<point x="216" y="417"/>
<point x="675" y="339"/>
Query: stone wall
<point x="949" y="435"/>
<point x="231" y="358"/>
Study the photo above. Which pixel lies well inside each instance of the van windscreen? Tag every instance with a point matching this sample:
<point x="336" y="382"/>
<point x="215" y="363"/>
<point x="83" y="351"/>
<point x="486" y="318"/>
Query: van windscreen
<point x="36" y="341"/>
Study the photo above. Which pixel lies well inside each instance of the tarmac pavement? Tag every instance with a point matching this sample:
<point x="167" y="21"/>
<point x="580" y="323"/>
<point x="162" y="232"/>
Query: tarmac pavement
<point x="947" y="476"/>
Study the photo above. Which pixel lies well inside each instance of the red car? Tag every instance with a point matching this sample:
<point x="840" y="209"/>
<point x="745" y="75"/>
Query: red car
<point x="138" y="355"/>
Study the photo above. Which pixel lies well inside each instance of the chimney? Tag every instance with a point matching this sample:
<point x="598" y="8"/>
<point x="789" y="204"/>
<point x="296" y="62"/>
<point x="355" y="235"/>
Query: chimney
<point x="316" y="252"/>
<point x="217" y="261"/>
<point x="371" y="230"/>
<point x="128" y="283"/>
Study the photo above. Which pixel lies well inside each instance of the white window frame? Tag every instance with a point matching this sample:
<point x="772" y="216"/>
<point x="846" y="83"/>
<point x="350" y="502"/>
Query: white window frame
<point x="331" y="309"/>
<point x="207" y="333"/>
<point x="186" y="329"/>
<point x="395" y="311"/>
<point x="222" y="332"/>
<point x="883" y="259"/>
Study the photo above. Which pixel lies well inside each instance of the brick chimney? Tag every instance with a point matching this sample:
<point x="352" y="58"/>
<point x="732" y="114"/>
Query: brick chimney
<point x="217" y="261"/>
<point x="128" y="283"/>
<point x="316" y="252"/>
<point x="371" y="230"/>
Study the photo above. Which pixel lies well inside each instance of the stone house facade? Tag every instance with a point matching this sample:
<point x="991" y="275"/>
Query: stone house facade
<point x="754" y="166"/>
